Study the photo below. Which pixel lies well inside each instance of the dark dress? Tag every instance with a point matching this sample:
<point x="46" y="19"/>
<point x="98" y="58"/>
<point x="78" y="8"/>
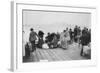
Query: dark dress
<point x="40" y="41"/>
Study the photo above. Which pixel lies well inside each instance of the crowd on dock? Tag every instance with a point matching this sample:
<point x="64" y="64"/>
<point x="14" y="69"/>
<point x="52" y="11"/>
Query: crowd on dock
<point x="61" y="40"/>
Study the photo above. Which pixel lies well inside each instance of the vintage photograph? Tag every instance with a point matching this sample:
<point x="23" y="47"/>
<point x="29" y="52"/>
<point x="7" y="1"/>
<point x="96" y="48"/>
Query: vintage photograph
<point x="55" y="36"/>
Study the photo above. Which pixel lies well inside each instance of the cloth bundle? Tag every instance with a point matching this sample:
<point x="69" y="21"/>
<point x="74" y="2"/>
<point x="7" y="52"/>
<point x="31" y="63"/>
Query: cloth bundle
<point x="45" y="46"/>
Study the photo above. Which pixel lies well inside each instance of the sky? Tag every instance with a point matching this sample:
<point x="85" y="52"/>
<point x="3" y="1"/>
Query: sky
<point x="55" y="21"/>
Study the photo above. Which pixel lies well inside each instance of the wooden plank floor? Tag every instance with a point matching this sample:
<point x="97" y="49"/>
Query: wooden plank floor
<point x="57" y="54"/>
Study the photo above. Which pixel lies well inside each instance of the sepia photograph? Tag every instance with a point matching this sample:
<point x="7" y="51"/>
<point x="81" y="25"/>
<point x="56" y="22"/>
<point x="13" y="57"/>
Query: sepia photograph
<point x="50" y="36"/>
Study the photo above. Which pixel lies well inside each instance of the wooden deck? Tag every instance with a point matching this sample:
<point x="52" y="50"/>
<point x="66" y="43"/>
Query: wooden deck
<point x="57" y="54"/>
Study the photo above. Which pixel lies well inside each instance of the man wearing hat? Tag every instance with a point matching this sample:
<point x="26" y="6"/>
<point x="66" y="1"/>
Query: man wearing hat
<point x="32" y="39"/>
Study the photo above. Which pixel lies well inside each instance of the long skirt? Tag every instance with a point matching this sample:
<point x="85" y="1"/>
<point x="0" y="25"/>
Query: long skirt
<point x="64" y="44"/>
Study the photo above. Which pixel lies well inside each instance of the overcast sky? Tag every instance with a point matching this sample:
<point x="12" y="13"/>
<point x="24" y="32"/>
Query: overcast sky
<point x="54" y="21"/>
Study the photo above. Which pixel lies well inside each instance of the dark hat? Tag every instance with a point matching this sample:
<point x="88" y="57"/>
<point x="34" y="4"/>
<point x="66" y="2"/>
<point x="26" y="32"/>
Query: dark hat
<point x="31" y="29"/>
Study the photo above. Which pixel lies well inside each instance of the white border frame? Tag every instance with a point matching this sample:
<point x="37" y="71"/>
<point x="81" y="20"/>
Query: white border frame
<point x="16" y="60"/>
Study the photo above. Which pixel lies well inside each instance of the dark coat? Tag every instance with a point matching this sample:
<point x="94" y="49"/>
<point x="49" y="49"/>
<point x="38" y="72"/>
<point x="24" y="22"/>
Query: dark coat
<point x="32" y="36"/>
<point x="85" y="39"/>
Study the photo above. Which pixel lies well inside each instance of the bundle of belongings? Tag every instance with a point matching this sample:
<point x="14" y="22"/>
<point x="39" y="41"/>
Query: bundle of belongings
<point x="45" y="46"/>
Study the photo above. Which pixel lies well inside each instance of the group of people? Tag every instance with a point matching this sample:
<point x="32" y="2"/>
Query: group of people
<point x="55" y="40"/>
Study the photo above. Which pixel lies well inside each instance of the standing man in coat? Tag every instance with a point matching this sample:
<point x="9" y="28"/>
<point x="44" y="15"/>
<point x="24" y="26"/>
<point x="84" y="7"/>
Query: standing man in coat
<point x="84" y="39"/>
<point x="32" y="39"/>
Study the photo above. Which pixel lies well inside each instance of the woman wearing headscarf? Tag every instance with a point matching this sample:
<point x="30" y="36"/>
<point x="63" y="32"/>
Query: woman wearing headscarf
<point x="64" y="38"/>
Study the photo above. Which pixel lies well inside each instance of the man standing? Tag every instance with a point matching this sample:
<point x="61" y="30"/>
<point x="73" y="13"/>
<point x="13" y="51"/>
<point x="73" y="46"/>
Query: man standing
<point x="84" y="39"/>
<point x="75" y="33"/>
<point x="71" y="35"/>
<point x="32" y="39"/>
